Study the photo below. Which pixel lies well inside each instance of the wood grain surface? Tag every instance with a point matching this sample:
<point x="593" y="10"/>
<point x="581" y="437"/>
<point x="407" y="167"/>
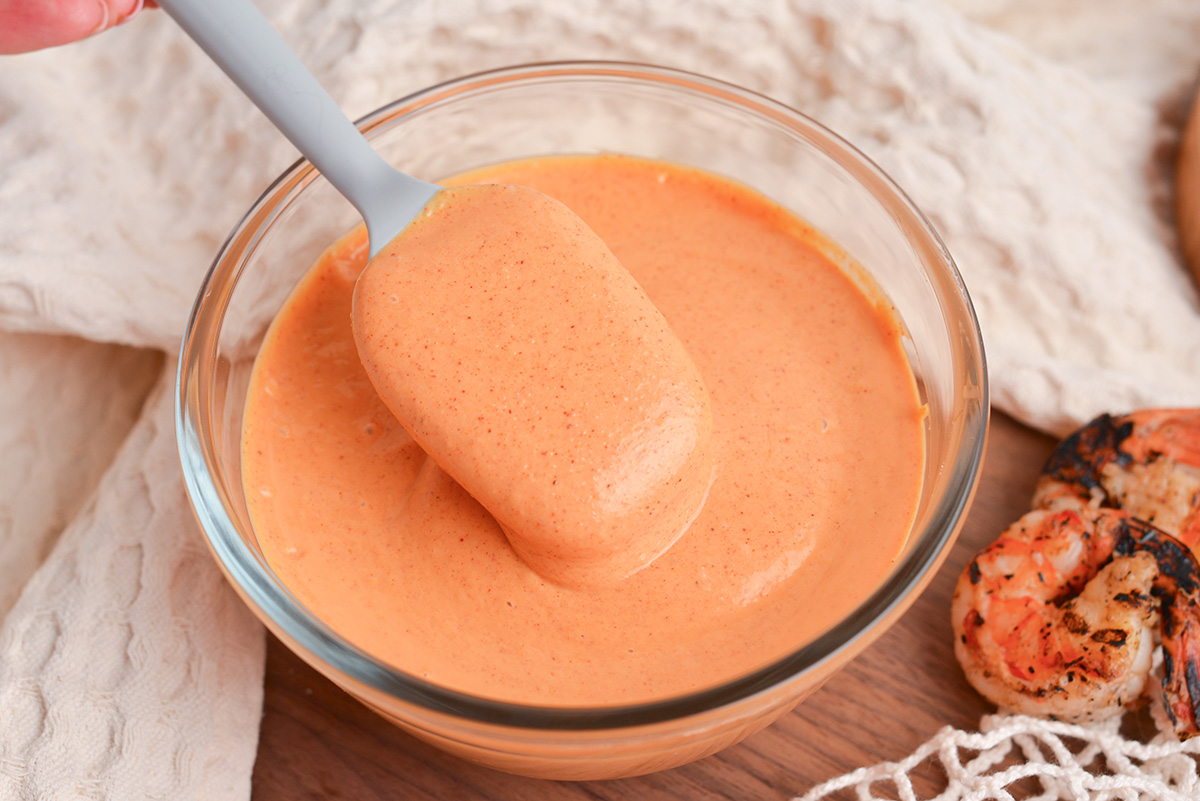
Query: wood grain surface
<point x="1187" y="189"/>
<point x="318" y="743"/>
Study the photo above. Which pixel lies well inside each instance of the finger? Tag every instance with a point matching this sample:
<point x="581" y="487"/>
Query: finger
<point x="27" y="25"/>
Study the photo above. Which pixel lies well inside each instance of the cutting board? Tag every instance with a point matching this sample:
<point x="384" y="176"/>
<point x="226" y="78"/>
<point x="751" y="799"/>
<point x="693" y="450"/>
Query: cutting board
<point x="1187" y="189"/>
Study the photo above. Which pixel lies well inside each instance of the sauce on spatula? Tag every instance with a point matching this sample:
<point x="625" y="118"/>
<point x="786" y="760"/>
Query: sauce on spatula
<point x="517" y="351"/>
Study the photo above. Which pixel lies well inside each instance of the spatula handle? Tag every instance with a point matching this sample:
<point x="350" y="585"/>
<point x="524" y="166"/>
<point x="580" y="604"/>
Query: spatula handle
<point x="241" y="41"/>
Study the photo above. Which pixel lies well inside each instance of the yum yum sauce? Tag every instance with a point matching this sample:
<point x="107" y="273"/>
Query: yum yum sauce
<point x="817" y="436"/>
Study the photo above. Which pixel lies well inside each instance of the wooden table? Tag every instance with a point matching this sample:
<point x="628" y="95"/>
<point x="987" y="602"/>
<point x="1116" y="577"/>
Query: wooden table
<point x="317" y="742"/>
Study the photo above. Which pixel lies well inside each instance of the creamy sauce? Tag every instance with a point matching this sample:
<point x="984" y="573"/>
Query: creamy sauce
<point x="525" y="360"/>
<point x="817" y="444"/>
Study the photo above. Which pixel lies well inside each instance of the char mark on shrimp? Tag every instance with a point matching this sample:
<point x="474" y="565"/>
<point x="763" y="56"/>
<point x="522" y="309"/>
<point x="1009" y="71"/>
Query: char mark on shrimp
<point x="1081" y="457"/>
<point x="1175" y="560"/>
<point x="1115" y="637"/>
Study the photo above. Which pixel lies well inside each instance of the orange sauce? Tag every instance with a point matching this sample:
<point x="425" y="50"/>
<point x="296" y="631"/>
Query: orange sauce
<point x="589" y="442"/>
<point x="817" y="440"/>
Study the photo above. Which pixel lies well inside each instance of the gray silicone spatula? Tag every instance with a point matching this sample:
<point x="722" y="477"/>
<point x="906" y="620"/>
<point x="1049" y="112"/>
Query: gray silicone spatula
<point x="660" y="480"/>
<point x="243" y="44"/>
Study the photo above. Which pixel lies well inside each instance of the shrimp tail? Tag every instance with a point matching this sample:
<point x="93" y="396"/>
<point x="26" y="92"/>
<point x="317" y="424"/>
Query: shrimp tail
<point x="1177" y="588"/>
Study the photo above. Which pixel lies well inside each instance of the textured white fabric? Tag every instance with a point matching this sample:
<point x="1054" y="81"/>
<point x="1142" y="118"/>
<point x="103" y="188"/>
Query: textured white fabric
<point x="66" y="406"/>
<point x="1034" y="133"/>
<point x="128" y="669"/>
<point x="1040" y="178"/>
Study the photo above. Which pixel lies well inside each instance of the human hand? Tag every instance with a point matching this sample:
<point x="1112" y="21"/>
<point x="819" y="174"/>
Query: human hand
<point x="35" y="24"/>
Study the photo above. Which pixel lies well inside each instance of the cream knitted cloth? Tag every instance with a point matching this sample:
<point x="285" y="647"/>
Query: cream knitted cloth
<point x="127" y="669"/>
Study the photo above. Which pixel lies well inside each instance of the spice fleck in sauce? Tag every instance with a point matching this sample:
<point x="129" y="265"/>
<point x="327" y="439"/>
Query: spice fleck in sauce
<point x="817" y="446"/>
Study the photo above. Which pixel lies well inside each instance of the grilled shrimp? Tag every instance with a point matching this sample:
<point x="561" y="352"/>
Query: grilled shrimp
<point x="1057" y="617"/>
<point x="1146" y="462"/>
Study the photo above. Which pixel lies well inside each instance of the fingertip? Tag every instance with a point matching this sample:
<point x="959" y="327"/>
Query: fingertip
<point x="27" y="25"/>
<point x="35" y="24"/>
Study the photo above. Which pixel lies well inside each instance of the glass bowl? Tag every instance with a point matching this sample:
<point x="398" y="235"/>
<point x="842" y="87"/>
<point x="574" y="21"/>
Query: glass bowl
<point x="586" y="108"/>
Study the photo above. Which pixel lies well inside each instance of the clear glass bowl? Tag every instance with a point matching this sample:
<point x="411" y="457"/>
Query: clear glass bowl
<point x="587" y="108"/>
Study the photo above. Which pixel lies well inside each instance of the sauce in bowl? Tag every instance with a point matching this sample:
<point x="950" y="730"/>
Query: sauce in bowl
<point x="817" y="449"/>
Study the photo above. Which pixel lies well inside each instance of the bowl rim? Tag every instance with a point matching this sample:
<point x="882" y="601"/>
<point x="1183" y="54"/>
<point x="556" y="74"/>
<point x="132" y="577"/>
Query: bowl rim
<point x="258" y="587"/>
